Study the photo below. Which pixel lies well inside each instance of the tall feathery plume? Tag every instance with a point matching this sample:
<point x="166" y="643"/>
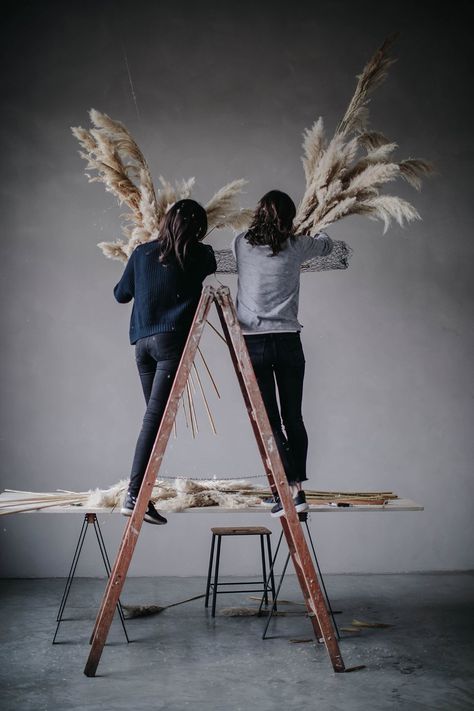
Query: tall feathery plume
<point x="344" y="175"/>
<point x="222" y="210"/>
<point x="112" y="153"/>
<point x="373" y="75"/>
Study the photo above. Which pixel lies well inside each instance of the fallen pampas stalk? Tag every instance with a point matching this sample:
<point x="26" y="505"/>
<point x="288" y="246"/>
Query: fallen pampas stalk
<point x="245" y="612"/>
<point x="357" y="625"/>
<point x="133" y="611"/>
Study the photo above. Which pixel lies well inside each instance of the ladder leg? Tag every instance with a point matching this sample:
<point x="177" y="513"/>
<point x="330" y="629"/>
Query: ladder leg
<point x="108" y="570"/>
<point x="296" y="540"/>
<point x="303" y="579"/>
<point x="328" y="602"/>
<point x="132" y="529"/>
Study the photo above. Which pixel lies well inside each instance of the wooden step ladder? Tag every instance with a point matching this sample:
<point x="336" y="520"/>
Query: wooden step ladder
<point x="298" y="548"/>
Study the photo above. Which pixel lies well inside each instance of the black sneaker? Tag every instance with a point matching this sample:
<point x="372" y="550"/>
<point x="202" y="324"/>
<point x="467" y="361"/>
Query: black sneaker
<point x="128" y="504"/>
<point x="277" y="510"/>
<point x="151" y="514"/>
<point x="299" y="501"/>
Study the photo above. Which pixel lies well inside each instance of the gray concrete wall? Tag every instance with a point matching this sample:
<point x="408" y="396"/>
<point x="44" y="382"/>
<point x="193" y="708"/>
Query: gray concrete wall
<point x="224" y="91"/>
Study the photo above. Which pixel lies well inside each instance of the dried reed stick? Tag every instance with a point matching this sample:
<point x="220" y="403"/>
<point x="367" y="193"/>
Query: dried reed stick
<point x="216" y="331"/>
<point x="184" y="410"/>
<point x="190" y="407"/>
<point x="191" y="380"/>
<point x="209" y="372"/>
<point x="206" y="404"/>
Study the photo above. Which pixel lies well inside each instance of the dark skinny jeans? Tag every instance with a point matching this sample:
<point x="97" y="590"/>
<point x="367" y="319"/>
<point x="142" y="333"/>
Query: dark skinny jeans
<point x="278" y="359"/>
<point x="157" y="360"/>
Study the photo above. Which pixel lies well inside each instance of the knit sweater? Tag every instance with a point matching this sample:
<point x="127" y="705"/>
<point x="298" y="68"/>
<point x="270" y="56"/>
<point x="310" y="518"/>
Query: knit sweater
<point x="268" y="286"/>
<point x="165" y="295"/>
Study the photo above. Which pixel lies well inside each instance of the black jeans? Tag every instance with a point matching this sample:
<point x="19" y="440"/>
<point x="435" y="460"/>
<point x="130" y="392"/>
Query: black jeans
<point x="279" y="357"/>
<point x="157" y="360"/>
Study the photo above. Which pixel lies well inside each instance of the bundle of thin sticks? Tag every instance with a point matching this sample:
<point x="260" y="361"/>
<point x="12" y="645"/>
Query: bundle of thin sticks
<point x="23" y="501"/>
<point x="353" y="498"/>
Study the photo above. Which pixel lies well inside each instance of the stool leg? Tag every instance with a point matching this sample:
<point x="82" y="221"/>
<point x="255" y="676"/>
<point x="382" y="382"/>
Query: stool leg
<point x="272" y="568"/>
<point x="270" y="560"/>
<point x="216" y="575"/>
<point x="209" y="572"/>
<point x="264" y="571"/>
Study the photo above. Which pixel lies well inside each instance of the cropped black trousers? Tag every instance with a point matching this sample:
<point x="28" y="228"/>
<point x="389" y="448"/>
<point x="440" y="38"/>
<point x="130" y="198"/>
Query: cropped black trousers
<point x="279" y="364"/>
<point x="157" y="360"/>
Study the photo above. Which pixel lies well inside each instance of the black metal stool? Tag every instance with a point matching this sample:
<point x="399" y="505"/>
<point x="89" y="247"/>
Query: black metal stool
<point x="239" y="531"/>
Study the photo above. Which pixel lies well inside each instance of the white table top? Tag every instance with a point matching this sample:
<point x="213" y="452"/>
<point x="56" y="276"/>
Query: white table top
<point x="391" y="505"/>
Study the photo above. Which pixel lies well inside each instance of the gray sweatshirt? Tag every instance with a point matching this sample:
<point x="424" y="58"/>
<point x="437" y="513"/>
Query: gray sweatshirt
<point x="268" y="286"/>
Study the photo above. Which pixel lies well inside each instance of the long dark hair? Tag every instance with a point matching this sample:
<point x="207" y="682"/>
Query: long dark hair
<point x="184" y="224"/>
<point x="272" y="222"/>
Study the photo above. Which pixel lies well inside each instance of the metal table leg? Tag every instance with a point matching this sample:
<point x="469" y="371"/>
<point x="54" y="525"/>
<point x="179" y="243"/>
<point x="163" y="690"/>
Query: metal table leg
<point x="89" y="519"/>
<point x="304" y="519"/>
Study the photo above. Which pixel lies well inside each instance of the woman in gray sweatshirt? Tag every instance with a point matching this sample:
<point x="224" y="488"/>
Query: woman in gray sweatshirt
<point x="269" y="258"/>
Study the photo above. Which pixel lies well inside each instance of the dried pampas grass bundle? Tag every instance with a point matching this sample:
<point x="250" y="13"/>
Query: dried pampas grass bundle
<point x="222" y="211"/>
<point x="344" y="175"/>
<point x="173" y="495"/>
<point x="116" y="161"/>
<point x="177" y="494"/>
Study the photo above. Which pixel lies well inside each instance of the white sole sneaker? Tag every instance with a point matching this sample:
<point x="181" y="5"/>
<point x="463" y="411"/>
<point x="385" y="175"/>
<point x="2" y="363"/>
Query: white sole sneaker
<point x="302" y="507"/>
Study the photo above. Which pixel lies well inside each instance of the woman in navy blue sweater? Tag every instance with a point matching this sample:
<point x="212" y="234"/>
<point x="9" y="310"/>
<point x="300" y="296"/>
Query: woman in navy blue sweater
<point x="164" y="277"/>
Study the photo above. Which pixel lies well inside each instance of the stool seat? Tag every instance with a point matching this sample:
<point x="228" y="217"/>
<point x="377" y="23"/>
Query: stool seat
<point x="241" y="531"/>
<point x="213" y="580"/>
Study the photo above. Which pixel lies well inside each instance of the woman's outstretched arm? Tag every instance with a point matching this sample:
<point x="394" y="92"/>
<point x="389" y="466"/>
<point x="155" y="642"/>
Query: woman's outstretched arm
<point x="124" y="291"/>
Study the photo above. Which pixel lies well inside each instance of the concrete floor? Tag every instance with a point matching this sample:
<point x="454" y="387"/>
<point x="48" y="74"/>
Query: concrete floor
<point x="182" y="658"/>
